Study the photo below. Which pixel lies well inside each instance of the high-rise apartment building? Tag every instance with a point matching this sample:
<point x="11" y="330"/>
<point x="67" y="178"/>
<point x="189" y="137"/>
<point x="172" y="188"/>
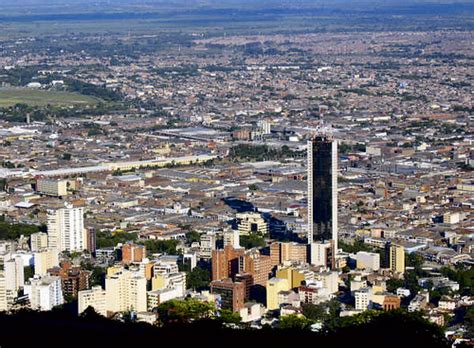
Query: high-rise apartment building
<point x="225" y="262"/>
<point x="232" y="237"/>
<point x="94" y="298"/>
<point x="232" y="294"/>
<point x="38" y="241"/>
<point x="207" y="245"/>
<point x="73" y="278"/>
<point x="3" y="293"/>
<point x="91" y="240"/>
<point x="44" y="292"/>
<point x="132" y="253"/>
<point x="275" y="286"/>
<point x="322" y="190"/>
<point x="66" y="228"/>
<point x="258" y="265"/>
<point x="126" y="291"/>
<point x="281" y="252"/>
<point x="44" y="260"/>
<point x="396" y="258"/>
<point x="14" y="276"/>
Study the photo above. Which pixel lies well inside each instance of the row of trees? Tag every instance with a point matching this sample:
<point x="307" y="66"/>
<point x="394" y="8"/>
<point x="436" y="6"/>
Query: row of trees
<point x="9" y="231"/>
<point x="262" y="152"/>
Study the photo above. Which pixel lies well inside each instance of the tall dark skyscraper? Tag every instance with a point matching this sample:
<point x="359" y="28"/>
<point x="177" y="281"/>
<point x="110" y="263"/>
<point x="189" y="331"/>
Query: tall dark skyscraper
<point x="322" y="197"/>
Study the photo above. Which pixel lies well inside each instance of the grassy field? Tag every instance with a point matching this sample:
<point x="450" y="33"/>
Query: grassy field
<point x="33" y="97"/>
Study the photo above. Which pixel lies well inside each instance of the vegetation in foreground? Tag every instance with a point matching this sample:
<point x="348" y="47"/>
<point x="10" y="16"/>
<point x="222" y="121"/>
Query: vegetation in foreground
<point x="91" y="329"/>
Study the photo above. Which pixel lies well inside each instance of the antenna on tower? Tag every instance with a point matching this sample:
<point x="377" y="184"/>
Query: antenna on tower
<point x="324" y="129"/>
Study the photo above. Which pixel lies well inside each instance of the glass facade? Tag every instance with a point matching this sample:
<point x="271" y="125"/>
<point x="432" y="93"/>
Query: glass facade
<point x="322" y="190"/>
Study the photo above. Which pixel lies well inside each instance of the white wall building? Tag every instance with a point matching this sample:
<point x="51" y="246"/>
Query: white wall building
<point x="232" y="237"/>
<point x="44" y="260"/>
<point x="14" y="276"/>
<point x="66" y="229"/>
<point x="126" y="291"/>
<point x="95" y="297"/>
<point x="368" y="261"/>
<point x="321" y="253"/>
<point x="363" y="299"/>
<point x="38" y="241"/>
<point x="3" y="293"/>
<point x="44" y="292"/>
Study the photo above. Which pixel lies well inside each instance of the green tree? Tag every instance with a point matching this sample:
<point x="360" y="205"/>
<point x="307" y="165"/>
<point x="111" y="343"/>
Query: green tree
<point x="192" y="237"/>
<point x="10" y="231"/>
<point x="253" y="187"/>
<point x="198" y="279"/>
<point x="252" y="241"/>
<point x="294" y="322"/>
<point x="161" y="246"/>
<point x="184" y="311"/>
<point x="29" y="272"/>
<point x="228" y="316"/>
<point x="105" y="239"/>
<point x="394" y="284"/>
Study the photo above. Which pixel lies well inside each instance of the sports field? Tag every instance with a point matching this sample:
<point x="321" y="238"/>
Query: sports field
<point x="34" y="97"/>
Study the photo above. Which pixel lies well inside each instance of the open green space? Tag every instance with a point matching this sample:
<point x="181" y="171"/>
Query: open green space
<point x="34" y="97"/>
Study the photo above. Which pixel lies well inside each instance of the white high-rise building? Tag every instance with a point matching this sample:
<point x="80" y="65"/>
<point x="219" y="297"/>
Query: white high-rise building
<point x="66" y="229"/>
<point x="265" y="126"/>
<point x="95" y="298"/>
<point x="44" y="292"/>
<point x="363" y="299"/>
<point x="44" y="260"/>
<point x="14" y="276"/>
<point x="322" y="254"/>
<point x="322" y="191"/>
<point x="207" y="245"/>
<point x="126" y="291"/>
<point x="368" y="261"/>
<point x="3" y="293"/>
<point x="232" y="237"/>
<point x="38" y="241"/>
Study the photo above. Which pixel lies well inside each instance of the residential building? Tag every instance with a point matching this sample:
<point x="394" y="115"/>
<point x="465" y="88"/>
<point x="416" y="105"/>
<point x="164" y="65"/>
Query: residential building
<point x="95" y="298"/>
<point x="3" y="293"/>
<point x="125" y="291"/>
<point x="207" y="245"/>
<point x="73" y="278"/>
<point x="368" y="261"/>
<point x="225" y="262"/>
<point x="44" y="260"/>
<point x="232" y="294"/>
<point x="363" y="299"/>
<point x="66" y="228"/>
<point x="14" y="276"/>
<point x="322" y="254"/>
<point x="281" y="252"/>
<point x="396" y="255"/>
<point x="38" y="241"/>
<point x="133" y="253"/>
<point x="274" y="286"/>
<point x="258" y="265"/>
<point x="232" y="237"/>
<point x="44" y="292"/>
<point x="53" y="187"/>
